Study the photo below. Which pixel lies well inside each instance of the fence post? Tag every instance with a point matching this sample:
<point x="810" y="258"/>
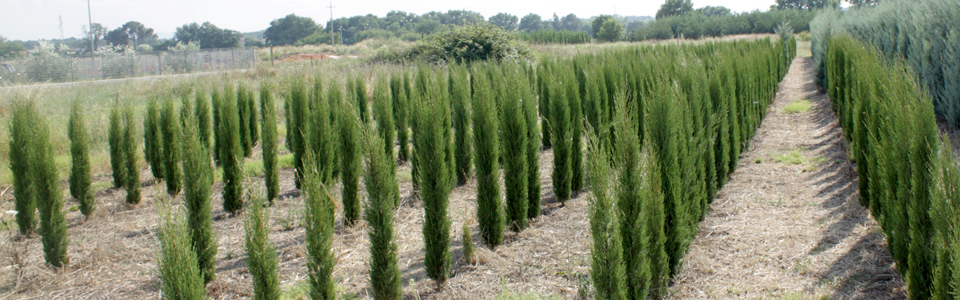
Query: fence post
<point x="160" y="63"/>
<point x="271" y="55"/>
<point x="233" y="63"/>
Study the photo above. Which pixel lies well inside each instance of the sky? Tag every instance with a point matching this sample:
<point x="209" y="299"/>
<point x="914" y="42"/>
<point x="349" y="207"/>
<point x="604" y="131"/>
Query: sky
<point x="39" y="19"/>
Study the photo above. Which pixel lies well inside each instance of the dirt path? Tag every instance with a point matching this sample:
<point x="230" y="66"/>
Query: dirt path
<point x="788" y="224"/>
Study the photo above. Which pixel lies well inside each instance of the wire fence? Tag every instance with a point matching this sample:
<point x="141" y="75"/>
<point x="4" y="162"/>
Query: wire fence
<point x="110" y="65"/>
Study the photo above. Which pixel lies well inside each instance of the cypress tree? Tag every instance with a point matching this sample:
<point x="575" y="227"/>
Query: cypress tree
<point x="243" y="118"/>
<point x="560" y="131"/>
<point x="533" y="150"/>
<point x="400" y="112"/>
<point x="383" y="113"/>
<point x="296" y="131"/>
<point x="325" y="138"/>
<point x="130" y="157"/>
<point x="231" y="154"/>
<point x="544" y="89"/>
<point x="380" y="181"/>
<point x="269" y="128"/>
<point x="350" y="158"/>
<point x="180" y="277"/>
<point x="358" y="89"/>
<point x="318" y="223"/>
<point x="153" y="140"/>
<point x="170" y="128"/>
<point x="335" y="96"/>
<point x="467" y="241"/>
<point x="80" y="157"/>
<point x="576" y="139"/>
<point x="633" y="235"/>
<point x="43" y="172"/>
<point x="513" y="139"/>
<point x="198" y="179"/>
<point x="114" y="138"/>
<point x="490" y="216"/>
<point x="24" y="117"/>
<point x="204" y="120"/>
<point x="252" y="120"/>
<point x="460" y="100"/>
<point x="218" y="97"/>
<point x="654" y="219"/>
<point x="663" y="135"/>
<point x="607" y="264"/>
<point x="431" y="144"/>
<point x="262" y="259"/>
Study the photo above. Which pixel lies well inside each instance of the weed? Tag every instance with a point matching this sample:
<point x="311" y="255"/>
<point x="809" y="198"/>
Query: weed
<point x="798" y="106"/>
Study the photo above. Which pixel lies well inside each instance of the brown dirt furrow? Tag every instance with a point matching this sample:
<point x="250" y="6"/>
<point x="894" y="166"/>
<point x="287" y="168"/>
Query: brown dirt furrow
<point x="791" y="230"/>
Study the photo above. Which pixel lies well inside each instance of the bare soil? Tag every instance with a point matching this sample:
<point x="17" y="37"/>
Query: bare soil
<point x="784" y="230"/>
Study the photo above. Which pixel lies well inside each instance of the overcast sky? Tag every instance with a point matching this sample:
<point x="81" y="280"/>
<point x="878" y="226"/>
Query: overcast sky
<point x="38" y="19"/>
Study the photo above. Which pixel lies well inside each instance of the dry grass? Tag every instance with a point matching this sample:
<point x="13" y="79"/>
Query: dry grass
<point x="785" y="230"/>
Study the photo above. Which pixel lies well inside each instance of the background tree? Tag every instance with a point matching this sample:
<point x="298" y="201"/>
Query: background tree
<point x="288" y="30"/>
<point x="676" y="8"/>
<point x="504" y="20"/>
<point x="208" y="35"/>
<point x="811" y="4"/>
<point x="97" y="32"/>
<point x="570" y="22"/>
<point x="132" y="33"/>
<point x="610" y="31"/>
<point x="530" y="23"/>
<point x="10" y="49"/>
<point x="714" y="11"/>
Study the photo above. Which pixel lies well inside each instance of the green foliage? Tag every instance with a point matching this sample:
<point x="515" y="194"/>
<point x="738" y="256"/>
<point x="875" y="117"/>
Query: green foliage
<point x="513" y="137"/>
<point x="170" y="130"/>
<point x="468" y="43"/>
<point x="555" y="37"/>
<point x="561" y="130"/>
<point x="24" y="119"/>
<point x="131" y="160"/>
<point x="672" y="8"/>
<point x="460" y="101"/>
<point x="606" y="265"/>
<point x="80" y="161"/>
<point x="247" y="111"/>
<point x="325" y="139"/>
<point x="177" y="261"/>
<point x="207" y="35"/>
<point x="262" y="259"/>
<point x="469" y="257"/>
<point x="49" y="198"/>
<point x="609" y="31"/>
<point x="381" y="184"/>
<point x="529" y="99"/>
<point x="697" y="25"/>
<point x="288" y="30"/>
<point x="231" y="151"/>
<point x="318" y="222"/>
<point x="431" y="147"/>
<point x="268" y="117"/>
<point x="153" y="140"/>
<point x="297" y="113"/>
<point x="401" y="111"/>
<point x="350" y="160"/>
<point x="114" y="137"/>
<point x="11" y="49"/>
<point x="204" y="120"/>
<point x="197" y="184"/>
<point x="383" y="113"/>
<point x="486" y="144"/>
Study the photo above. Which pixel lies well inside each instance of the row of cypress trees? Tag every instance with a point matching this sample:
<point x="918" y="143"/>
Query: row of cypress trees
<point x="908" y="173"/>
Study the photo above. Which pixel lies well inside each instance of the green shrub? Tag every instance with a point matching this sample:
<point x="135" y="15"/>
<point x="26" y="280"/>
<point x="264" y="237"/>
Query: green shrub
<point x="533" y="149"/>
<point x="297" y="131"/>
<point x="401" y="110"/>
<point x="24" y="119"/>
<point x="383" y="113"/>
<point x="318" y="223"/>
<point x="198" y="180"/>
<point x="467" y="240"/>
<point x="244" y="98"/>
<point x="170" y="129"/>
<point x="561" y="131"/>
<point x="350" y="158"/>
<point x="468" y="43"/>
<point x="460" y="100"/>
<point x="53" y="224"/>
<point x="262" y="259"/>
<point x="153" y="140"/>
<point x="114" y="138"/>
<point x="556" y="37"/>
<point x="179" y="276"/>
<point x="80" y="158"/>
<point x="231" y="153"/>
<point x="131" y="159"/>
<point x="268" y="112"/>
<point x="486" y="144"/>
<point x="204" y="120"/>
<point x="513" y="139"/>
<point x="329" y="133"/>
<point x="606" y="265"/>
<point x="381" y="184"/>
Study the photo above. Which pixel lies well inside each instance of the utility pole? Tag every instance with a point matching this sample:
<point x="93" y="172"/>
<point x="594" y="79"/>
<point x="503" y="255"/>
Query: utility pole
<point x="93" y="58"/>
<point x="61" y="28"/>
<point x="332" y="41"/>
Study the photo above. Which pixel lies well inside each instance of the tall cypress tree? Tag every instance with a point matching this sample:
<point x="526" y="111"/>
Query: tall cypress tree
<point x="607" y="266"/>
<point x="204" y="120"/>
<point x="170" y="129"/>
<point x="231" y="154"/>
<point x="261" y="255"/>
<point x="560" y="131"/>
<point x="177" y="263"/>
<point x="243" y="119"/>
<point x="114" y="138"/>
<point x="318" y="224"/>
<point x="380" y="181"/>
<point x="131" y="159"/>
<point x="296" y="129"/>
<point x="628" y="205"/>
<point x="153" y="140"/>
<point x="401" y="111"/>
<point x="350" y="158"/>
<point x="431" y="144"/>
<point x="490" y="216"/>
<point x="80" y="157"/>
<point x="53" y="223"/>
<point x="576" y="139"/>
<point x="383" y="113"/>
<point x="533" y="149"/>
<point x="21" y="157"/>
<point x="268" y="112"/>
<point x="513" y="139"/>
<point x="460" y="100"/>
<point x="198" y="179"/>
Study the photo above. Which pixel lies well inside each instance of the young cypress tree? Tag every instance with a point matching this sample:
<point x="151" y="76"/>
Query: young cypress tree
<point x="629" y="205"/>
<point x="513" y="139"/>
<point x="252" y="121"/>
<point x="231" y="154"/>
<point x="543" y="92"/>
<point x="560" y="131"/>
<point x="198" y="179"/>
<point x="21" y="157"/>
<point x="490" y="216"/>
<point x="654" y="219"/>
<point x="350" y="158"/>
<point x="130" y="157"/>
<point x="262" y="259"/>
<point x="576" y="139"/>
<point x="80" y="157"/>
<point x="533" y="149"/>
<point x="431" y="144"/>
<point x="204" y="120"/>
<point x="335" y="96"/>
<point x="318" y="223"/>
<point x="43" y="173"/>
<point x="179" y="276"/>
<point x="662" y="114"/>
<point x="217" y="98"/>
<point x="153" y="140"/>
<point x="380" y="181"/>
<point x="460" y="100"/>
<point x="296" y="131"/>
<point x="268" y="112"/>
<point x="467" y="240"/>
<point x="324" y="136"/>
<point x="383" y="113"/>
<point x="114" y="138"/>
<point x="243" y="119"/>
<point x="400" y="112"/>
<point x="170" y="129"/>
<point x="607" y="265"/>
<point x="358" y="86"/>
